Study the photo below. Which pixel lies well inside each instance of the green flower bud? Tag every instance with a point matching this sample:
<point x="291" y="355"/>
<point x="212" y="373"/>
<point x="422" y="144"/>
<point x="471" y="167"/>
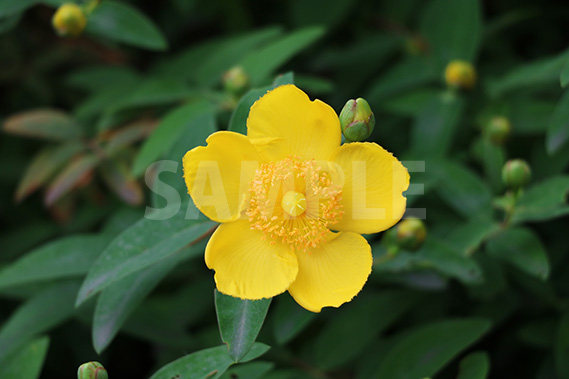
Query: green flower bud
<point x="236" y="81"/>
<point x="460" y="74"/>
<point x="516" y="173"/>
<point x="357" y="120"/>
<point x="411" y="233"/>
<point x="92" y="370"/>
<point x="69" y="20"/>
<point x="498" y="129"/>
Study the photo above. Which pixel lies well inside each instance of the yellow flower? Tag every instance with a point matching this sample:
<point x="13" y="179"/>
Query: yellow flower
<point x="293" y="202"/>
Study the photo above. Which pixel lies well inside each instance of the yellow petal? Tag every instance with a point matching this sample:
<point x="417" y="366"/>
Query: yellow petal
<point x="218" y="176"/>
<point x="372" y="194"/>
<point x="333" y="273"/>
<point x="248" y="266"/>
<point x="285" y="122"/>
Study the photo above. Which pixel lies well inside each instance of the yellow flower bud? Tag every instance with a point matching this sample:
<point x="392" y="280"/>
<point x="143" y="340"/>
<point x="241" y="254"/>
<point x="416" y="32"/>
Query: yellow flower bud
<point x="460" y="74"/>
<point x="236" y="81"/>
<point x="92" y="370"/>
<point x="516" y="173"/>
<point x="69" y="20"/>
<point x="498" y="129"/>
<point x="357" y="120"/>
<point x="411" y="233"/>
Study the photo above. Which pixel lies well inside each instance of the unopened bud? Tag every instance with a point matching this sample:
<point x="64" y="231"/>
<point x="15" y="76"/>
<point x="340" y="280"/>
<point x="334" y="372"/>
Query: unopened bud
<point x="92" y="370"/>
<point x="498" y="129"/>
<point x="357" y="120"/>
<point x="236" y="81"/>
<point x="411" y="233"/>
<point x="516" y="173"/>
<point x="69" y="20"/>
<point x="460" y="74"/>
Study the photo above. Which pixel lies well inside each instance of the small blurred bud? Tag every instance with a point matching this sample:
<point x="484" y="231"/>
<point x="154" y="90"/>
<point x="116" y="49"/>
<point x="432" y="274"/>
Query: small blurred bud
<point x="357" y="120"/>
<point x="92" y="370"/>
<point x="236" y="81"/>
<point x="516" y="173"/>
<point x="69" y="20"/>
<point x="498" y="129"/>
<point x="411" y="233"/>
<point x="460" y="74"/>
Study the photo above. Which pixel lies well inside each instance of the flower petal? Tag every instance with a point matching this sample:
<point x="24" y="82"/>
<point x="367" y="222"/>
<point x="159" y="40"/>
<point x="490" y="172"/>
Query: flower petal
<point x="247" y="265"/>
<point x="333" y="273"/>
<point x="218" y="175"/>
<point x="372" y="194"/>
<point x="285" y="122"/>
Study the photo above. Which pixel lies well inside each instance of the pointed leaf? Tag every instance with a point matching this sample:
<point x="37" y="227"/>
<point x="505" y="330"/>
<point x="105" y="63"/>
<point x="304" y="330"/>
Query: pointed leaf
<point x="118" y="300"/>
<point x="261" y="64"/>
<point x="27" y="362"/>
<point x="123" y="23"/>
<point x="37" y="315"/>
<point x="77" y="170"/>
<point x="558" y="127"/>
<point x="66" y="257"/>
<point x="208" y="363"/>
<point x="427" y="349"/>
<point x="474" y="366"/>
<point x="543" y="201"/>
<point x="120" y="180"/>
<point x="238" y="121"/>
<point x="143" y="244"/>
<point x="48" y="124"/>
<point x="522" y="248"/>
<point x="239" y="322"/>
<point x="197" y="116"/>
<point x="43" y="166"/>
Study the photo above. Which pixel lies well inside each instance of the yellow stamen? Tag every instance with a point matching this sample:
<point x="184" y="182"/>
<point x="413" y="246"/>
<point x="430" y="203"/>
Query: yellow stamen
<point x="309" y="202"/>
<point x="294" y="203"/>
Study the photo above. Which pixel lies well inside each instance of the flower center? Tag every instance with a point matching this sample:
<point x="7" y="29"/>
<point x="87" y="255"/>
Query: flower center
<point x="294" y="201"/>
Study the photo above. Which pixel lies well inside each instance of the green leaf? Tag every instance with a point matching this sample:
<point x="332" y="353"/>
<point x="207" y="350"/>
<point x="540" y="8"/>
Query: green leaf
<point x="464" y="18"/>
<point x="493" y="159"/>
<point x="461" y="188"/>
<point x="69" y="177"/>
<point x="561" y="348"/>
<point x="286" y="78"/>
<point x="197" y="116"/>
<point x="239" y="322"/>
<point x="27" y="362"/>
<point x="427" y="349"/>
<point x="37" y="315"/>
<point x="558" y="127"/>
<point x="439" y="256"/>
<point x="118" y="300"/>
<point x="208" y="363"/>
<point x="230" y="53"/>
<point x="143" y="244"/>
<point x="358" y="325"/>
<point x="103" y="100"/>
<point x="523" y="249"/>
<point x="123" y="23"/>
<point x="47" y="124"/>
<point x="403" y="76"/>
<point x="238" y="121"/>
<point x="94" y="79"/>
<point x="254" y="370"/>
<point x="261" y="64"/>
<point x="564" y="76"/>
<point x="530" y="75"/>
<point x="474" y="366"/>
<point x="468" y="236"/>
<point x="66" y="257"/>
<point x="290" y="319"/>
<point x="543" y="201"/>
<point x="11" y="7"/>
<point x="44" y="165"/>
<point x="435" y="127"/>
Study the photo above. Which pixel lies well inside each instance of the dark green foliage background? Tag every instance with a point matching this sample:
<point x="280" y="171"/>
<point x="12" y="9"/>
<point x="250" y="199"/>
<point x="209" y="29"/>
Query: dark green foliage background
<point x="485" y="297"/>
